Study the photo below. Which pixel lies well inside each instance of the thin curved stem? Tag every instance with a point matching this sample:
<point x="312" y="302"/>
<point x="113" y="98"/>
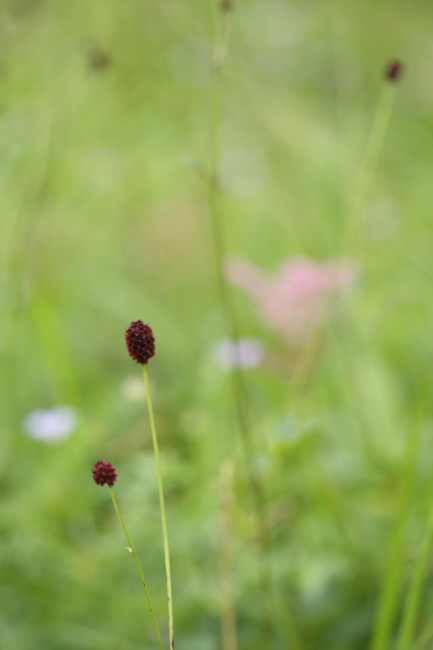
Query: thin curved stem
<point x="131" y="546"/>
<point x="162" y="506"/>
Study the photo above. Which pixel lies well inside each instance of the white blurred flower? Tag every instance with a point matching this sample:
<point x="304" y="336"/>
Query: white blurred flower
<point x="133" y="388"/>
<point x="244" y="353"/>
<point x="51" y="425"/>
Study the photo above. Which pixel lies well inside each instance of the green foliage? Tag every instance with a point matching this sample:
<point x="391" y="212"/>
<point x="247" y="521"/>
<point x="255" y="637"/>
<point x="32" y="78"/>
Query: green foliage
<point x="105" y="111"/>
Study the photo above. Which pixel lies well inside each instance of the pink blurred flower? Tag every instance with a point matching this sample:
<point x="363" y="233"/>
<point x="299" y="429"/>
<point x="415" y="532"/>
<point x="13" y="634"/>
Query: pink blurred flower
<point x="296" y="300"/>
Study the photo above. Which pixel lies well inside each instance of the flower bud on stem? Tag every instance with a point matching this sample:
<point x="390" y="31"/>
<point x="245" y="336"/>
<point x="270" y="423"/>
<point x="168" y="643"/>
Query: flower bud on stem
<point x="105" y="474"/>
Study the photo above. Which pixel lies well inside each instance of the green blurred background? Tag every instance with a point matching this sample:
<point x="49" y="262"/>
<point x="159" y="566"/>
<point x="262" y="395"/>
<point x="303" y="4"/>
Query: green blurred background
<point x="105" y="117"/>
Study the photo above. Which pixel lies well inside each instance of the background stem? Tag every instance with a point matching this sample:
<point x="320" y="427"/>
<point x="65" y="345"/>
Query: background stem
<point x="413" y="596"/>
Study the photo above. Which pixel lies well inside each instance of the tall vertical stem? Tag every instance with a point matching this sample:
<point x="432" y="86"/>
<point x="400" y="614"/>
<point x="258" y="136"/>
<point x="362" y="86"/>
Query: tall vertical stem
<point x="162" y="505"/>
<point x="239" y="389"/>
<point x="369" y="161"/>
<point x="228" y="613"/>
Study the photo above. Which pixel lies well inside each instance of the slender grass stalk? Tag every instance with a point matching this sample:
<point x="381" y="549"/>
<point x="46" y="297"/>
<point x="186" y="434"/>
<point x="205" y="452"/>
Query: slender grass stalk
<point x="369" y="161"/>
<point x="366" y="171"/>
<point x="131" y="546"/>
<point x="239" y="392"/>
<point x="221" y="39"/>
<point x="391" y="583"/>
<point x="162" y="505"/>
<point x="228" y="612"/>
<point x="413" y="597"/>
<point x="221" y="31"/>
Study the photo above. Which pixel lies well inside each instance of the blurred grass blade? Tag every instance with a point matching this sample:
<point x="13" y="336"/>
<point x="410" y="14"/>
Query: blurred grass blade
<point x="413" y="596"/>
<point x="391" y="584"/>
<point x="228" y="610"/>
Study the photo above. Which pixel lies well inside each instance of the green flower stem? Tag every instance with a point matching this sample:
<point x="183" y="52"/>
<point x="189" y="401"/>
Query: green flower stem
<point x="162" y="505"/>
<point x="220" y="30"/>
<point x="228" y="610"/>
<point x="137" y="563"/>
<point x="371" y="156"/>
<point x="413" y="597"/>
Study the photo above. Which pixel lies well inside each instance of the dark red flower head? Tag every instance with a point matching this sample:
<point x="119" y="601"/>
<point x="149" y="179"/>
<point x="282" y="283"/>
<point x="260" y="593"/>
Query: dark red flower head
<point x="140" y="341"/>
<point x="226" y="5"/>
<point x="104" y="473"/>
<point x="394" y="70"/>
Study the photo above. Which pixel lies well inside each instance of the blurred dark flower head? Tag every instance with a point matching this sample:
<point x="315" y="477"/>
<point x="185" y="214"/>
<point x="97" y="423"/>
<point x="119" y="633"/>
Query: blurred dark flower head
<point x="97" y="58"/>
<point x="140" y="342"/>
<point x="226" y="5"/>
<point x="104" y="473"/>
<point x="394" y="70"/>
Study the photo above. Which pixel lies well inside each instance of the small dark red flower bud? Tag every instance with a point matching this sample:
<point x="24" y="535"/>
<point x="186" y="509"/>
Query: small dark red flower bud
<point x="226" y="5"/>
<point x="140" y="341"/>
<point x="394" y="70"/>
<point x="104" y="473"/>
